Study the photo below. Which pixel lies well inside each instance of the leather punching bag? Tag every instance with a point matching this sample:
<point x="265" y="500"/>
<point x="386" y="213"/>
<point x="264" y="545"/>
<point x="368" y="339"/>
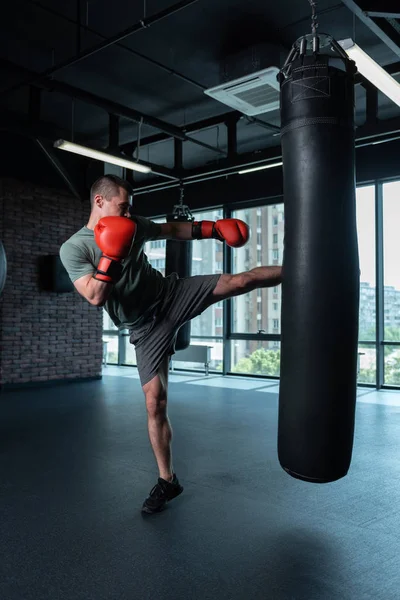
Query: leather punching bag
<point x="178" y="259"/>
<point x="320" y="289"/>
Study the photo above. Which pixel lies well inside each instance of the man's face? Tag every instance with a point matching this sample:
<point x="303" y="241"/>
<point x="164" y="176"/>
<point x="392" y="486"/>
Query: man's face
<point x="117" y="206"/>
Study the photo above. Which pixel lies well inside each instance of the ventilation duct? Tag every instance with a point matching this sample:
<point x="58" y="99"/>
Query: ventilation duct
<point x="252" y="94"/>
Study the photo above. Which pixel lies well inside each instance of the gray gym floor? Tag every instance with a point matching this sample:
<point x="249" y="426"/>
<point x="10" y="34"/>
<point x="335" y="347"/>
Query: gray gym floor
<point x="76" y="465"/>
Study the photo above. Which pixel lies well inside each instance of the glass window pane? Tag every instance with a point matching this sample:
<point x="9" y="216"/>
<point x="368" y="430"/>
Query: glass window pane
<point x="366" y="364"/>
<point x="216" y="357"/>
<point x="208" y="260"/>
<point x="365" y="203"/>
<point x="110" y="348"/>
<point x="391" y="249"/>
<point x="392" y="365"/>
<point x="253" y="357"/>
<point x="108" y="325"/>
<point x="259" y="309"/>
<point x="155" y="251"/>
<point x="130" y="354"/>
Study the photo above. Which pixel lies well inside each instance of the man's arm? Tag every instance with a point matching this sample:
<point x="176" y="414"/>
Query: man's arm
<point x="232" y="231"/>
<point x="114" y="236"/>
<point x="93" y="290"/>
<point x="175" y="231"/>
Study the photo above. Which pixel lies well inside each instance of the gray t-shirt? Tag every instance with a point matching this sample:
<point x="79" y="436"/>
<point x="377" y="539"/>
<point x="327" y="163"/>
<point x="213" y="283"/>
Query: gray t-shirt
<point x="135" y="296"/>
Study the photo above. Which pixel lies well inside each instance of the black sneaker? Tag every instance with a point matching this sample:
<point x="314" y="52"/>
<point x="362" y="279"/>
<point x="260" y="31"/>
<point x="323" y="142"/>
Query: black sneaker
<point x="162" y="492"/>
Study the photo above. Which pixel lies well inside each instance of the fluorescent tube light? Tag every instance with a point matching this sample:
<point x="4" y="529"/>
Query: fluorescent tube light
<point x="98" y="155"/>
<point x="270" y="166"/>
<point x="372" y="71"/>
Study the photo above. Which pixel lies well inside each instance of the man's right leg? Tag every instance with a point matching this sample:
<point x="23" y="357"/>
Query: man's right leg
<point x="160" y="431"/>
<point x="160" y="434"/>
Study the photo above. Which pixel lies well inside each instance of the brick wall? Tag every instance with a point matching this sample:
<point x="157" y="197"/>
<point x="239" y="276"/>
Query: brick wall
<point x="44" y="336"/>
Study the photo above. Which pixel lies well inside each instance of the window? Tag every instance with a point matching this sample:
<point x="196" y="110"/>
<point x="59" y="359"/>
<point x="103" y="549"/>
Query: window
<point x="365" y="203"/>
<point x="207" y="260"/>
<point x="247" y="307"/>
<point x="391" y="291"/>
<point x="255" y="357"/>
<point x="155" y="251"/>
<point x="110" y="340"/>
<point x="260" y="309"/>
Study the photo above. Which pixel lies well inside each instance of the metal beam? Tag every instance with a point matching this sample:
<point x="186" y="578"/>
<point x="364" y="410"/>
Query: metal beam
<point x="87" y="29"/>
<point x="34" y="130"/>
<point x="366" y="135"/>
<point x="381" y="131"/>
<point x="391" y="29"/>
<point x="57" y="164"/>
<point x="221" y="169"/>
<point x="144" y="23"/>
<point x="146" y="58"/>
<point x="384" y="8"/>
<point x="383" y="15"/>
<point x="193" y="127"/>
<point x="391" y="42"/>
<point x="111" y="107"/>
<point x="264" y="187"/>
<point x="217" y="120"/>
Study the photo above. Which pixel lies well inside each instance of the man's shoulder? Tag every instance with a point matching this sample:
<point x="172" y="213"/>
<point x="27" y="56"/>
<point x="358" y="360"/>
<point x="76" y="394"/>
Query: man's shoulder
<point x="79" y="238"/>
<point x="78" y="243"/>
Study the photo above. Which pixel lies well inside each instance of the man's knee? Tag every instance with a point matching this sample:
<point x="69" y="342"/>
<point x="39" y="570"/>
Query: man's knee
<point x="241" y="283"/>
<point x="232" y="285"/>
<point x="155" y="392"/>
<point x="156" y="405"/>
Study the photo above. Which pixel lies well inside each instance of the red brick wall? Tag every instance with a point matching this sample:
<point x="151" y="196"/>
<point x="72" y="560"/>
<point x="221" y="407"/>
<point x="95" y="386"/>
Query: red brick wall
<point x="44" y="336"/>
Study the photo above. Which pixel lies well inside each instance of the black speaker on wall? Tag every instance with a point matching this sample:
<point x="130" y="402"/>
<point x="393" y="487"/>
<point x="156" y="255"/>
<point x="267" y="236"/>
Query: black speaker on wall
<point x="52" y="275"/>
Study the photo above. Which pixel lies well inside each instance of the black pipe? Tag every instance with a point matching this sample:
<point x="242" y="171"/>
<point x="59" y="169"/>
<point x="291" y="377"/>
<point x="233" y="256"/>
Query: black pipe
<point x="118" y="44"/>
<point x="142" y="24"/>
<point x="111" y="107"/>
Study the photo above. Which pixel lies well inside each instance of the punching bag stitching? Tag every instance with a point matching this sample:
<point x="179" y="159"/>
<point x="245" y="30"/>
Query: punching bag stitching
<point x="310" y="68"/>
<point x="304" y="87"/>
<point x="296" y="124"/>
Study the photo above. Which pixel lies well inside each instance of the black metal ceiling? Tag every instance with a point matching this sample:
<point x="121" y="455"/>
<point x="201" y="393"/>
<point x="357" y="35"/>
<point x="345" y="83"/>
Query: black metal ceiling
<point x="103" y="72"/>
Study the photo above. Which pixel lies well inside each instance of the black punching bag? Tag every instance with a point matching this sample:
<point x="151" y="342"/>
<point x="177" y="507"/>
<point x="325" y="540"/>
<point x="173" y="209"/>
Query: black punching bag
<point x="178" y="259"/>
<point x="320" y="289"/>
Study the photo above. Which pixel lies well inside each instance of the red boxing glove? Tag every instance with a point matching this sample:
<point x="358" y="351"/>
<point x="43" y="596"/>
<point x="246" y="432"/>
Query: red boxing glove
<point x="232" y="231"/>
<point x="114" y="237"/>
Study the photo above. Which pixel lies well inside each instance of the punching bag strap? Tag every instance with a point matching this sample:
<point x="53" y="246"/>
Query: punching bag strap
<point x="314" y="121"/>
<point x="311" y="66"/>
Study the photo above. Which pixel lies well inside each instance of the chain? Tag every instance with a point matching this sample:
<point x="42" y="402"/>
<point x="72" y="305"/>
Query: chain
<point x="314" y="17"/>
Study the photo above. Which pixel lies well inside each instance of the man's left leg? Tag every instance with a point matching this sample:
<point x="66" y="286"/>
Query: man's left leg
<point x="242" y="283"/>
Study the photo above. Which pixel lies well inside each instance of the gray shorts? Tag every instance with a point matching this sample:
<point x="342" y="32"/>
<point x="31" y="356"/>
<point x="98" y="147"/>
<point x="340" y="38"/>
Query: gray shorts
<point x="187" y="298"/>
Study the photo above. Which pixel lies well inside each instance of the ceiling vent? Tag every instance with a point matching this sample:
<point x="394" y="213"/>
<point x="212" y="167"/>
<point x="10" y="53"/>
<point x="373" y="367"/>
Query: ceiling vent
<point x="253" y="94"/>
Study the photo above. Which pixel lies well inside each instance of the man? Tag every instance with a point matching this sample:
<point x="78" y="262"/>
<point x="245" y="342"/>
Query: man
<point x="106" y="263"/>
